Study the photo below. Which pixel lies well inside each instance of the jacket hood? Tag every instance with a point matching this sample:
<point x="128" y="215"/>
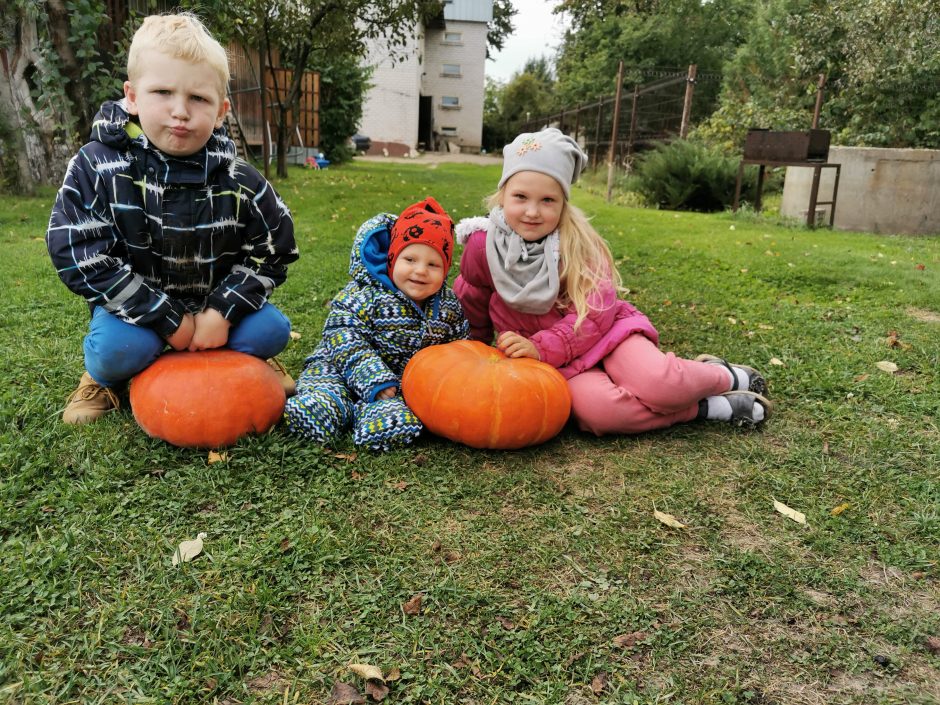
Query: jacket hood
<point x="114" y="128"/>
<point x="368" y="260"/>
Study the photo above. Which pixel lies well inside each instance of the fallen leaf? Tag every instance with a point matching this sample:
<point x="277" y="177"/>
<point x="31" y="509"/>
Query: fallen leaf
<point x="920" y="267"/>
<point x="401" y="485"/>
<point x="349" y="457"/>
<point x="668" y="520"/>
<point x="420" y="459"/>
<point x="626" y="641"/>
<point x="413" y="606"/>
<point x="933" y="644"/>
<point x="285" y="545"/>
<point x="356" y="475"/>
<point x="862" y="377"/>
<point x="393" y="674"/>
<point x="215" y="457"/>
<point x="506" y="623"/>
<point x="887" y="366"/>
<point x="452" y="556"/>
<point x="599" y="683"/>
<point x="345" y="694"/>
<point x="836" y="511"/>
<point x="376" y="691"/>
<point x="436" y="546"/>
<point x="825" y="447"/>
<point x="796" y="516"/>
<point x="294" y="335"/>
<point x="732" y="321"/>
<point x="367" y="671"/>
<point x="187" y="550"/>
<point x="776" y="361"/>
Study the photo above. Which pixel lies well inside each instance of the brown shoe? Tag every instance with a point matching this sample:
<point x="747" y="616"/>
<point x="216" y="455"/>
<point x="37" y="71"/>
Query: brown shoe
<point x="287" y="382"/>
<point x="89" y="402"/>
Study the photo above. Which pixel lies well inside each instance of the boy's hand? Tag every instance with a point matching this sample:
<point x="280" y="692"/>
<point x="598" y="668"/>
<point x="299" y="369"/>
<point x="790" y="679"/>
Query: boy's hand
<point x="515" y="345"/>
<point x="211" y="330"/>
<point x="183" y="335"/>
<point x="387" y="393"/>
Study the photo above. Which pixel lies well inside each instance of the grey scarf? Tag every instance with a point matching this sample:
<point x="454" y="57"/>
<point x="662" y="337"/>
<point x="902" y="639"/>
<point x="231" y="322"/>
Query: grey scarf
<point x="525" y="274"/>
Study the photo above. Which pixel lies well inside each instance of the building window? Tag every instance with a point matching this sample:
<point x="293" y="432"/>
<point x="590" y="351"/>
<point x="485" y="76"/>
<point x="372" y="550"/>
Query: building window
<point x="453" y="37"/>
<point x="450" y="70"/>
<point x="449" y="131"/>
<point x="450" y="102"/>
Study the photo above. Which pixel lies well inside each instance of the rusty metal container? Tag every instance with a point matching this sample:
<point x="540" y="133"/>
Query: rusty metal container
<point x="787" y="145"/>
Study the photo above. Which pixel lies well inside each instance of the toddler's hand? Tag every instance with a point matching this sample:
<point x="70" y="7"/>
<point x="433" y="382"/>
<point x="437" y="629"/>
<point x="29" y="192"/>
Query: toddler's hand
<point x="211" y="330"/>
<point x="387" y="393"/>
<point x="514" y="345"/>
<point x="183" y="335"/>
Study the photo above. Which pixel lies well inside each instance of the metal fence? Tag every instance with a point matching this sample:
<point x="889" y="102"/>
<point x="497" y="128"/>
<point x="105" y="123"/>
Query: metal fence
<point x="634" y="118"/>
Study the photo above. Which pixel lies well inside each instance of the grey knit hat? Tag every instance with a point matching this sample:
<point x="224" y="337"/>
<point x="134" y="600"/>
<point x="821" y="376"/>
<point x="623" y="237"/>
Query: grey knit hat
<point x="548" y="151"/>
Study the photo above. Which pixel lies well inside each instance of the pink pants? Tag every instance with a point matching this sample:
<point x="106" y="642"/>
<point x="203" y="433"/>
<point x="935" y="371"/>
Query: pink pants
<point x="640" y="388"/>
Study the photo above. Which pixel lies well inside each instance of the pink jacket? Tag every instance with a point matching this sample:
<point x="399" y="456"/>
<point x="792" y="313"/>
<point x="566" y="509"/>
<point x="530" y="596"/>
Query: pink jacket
<point x="552" y="333"/>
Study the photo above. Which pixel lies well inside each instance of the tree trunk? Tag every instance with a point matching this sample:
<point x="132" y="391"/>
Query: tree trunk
<point x="42" y="151"/>
<point x="71" y="70"/>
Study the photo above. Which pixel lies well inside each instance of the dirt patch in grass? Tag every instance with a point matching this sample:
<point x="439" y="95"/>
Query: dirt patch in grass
<point x="924" y="315"/>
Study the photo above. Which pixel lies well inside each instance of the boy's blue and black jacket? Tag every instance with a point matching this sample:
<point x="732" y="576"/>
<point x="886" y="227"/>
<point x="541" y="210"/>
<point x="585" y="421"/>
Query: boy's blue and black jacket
<point x="373" y="329"/>
<point x="150" y="237"/>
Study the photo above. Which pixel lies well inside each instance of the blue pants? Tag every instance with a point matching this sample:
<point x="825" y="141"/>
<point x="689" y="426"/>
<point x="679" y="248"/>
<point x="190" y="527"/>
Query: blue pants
<point x="116" y="351"/>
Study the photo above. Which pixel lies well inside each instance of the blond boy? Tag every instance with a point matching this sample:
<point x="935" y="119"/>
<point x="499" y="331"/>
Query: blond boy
<point x="169" y="237"/>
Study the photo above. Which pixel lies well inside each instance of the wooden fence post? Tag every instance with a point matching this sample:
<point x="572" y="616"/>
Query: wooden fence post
<point x="687" y="104"/>
<point x="613" y="136"/>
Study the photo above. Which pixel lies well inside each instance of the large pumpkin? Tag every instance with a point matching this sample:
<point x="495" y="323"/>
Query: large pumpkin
<point x="471" y="393"/>
<point x="206" y="399"/>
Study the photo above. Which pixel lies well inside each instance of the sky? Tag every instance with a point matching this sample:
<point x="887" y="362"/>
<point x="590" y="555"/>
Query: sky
<point x="537" y="32"/>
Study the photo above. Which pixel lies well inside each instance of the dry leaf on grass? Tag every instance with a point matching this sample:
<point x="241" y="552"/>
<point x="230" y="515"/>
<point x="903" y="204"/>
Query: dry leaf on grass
<point x="836" y="511"/>
<point x="933" y="644"/>
<point x="790" y="513"/>
<point x="506" y="623"/>
<point x="345" y="694"/>
<point x="599" y="683"/>
<point x="215" y="457"/>
<point x="187" y="550"/>
<point x="367" y="671"/>
<point x="668" y="520"/>
<point x="887" y="366"/>
<point x="776" y="361"/>
<point x="348" y="457"/>
<point x="626" y="641"/>
<point x="413" y="606"/>
<point x="294" y="335"/>
<point x="393" y="674"/>
<point x="401" y="485"/>
<point x="376" y="691"/>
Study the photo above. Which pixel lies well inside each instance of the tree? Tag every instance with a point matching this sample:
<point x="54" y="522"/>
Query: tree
<point x="500" y="26"/>
<point x="54" y="77"/>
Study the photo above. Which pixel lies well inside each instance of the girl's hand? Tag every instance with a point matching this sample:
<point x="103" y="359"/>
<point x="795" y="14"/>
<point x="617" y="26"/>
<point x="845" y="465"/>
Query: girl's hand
<point x="514" y="345"/>
<point x="387" y="393"/>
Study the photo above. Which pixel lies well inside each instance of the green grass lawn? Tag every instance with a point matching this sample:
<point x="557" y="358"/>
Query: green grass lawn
<point x="543" y="574"/>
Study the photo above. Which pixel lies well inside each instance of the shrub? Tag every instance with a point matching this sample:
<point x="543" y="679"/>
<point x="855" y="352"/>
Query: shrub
<point x="685" y="175"/>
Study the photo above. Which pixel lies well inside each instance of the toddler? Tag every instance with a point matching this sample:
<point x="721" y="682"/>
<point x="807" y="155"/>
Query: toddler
<point x="396" y="303"/>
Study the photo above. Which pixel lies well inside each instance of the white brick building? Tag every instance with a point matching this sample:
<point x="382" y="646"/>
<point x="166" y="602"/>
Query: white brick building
<point x="433" y="99"/>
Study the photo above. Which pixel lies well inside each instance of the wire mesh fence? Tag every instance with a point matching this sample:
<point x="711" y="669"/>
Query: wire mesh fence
<point x="646" y="113"/>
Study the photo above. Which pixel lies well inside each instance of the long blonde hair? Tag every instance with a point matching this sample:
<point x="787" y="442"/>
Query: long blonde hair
<point x="587" y="266"/>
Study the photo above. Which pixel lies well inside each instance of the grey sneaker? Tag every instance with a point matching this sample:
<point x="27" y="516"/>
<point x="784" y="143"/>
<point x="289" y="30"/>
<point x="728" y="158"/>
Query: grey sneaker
<point x="756" y="383"/>
<point x="742" y="407"/>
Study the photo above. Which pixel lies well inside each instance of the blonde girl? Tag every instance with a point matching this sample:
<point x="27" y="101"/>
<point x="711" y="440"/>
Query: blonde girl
<point x="537" y="273"/>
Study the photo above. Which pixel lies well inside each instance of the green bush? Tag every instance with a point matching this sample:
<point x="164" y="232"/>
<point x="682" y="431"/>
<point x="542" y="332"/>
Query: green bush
<point x="684" y="175"/>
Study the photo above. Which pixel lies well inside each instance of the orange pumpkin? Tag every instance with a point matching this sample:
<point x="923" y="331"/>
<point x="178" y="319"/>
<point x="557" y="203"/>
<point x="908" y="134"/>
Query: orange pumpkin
<point x="471" y="393"/>
<point x="206" y="399"/>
